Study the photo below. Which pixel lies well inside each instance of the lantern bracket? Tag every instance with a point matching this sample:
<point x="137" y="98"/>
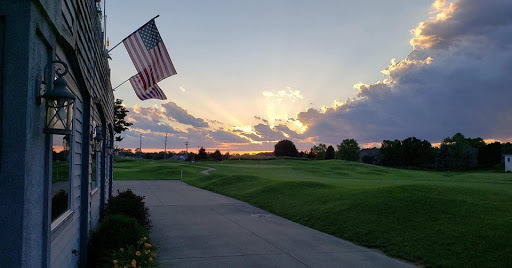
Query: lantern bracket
<point x="58" y="72"/>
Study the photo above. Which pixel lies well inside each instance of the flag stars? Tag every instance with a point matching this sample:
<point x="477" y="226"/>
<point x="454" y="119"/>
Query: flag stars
<point x="150" y="36"/>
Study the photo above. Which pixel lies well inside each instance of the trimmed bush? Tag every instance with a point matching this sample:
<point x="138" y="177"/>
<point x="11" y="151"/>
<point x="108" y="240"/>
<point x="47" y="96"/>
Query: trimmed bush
<point x="129" y="204"/>
<point x="113" y="233"/>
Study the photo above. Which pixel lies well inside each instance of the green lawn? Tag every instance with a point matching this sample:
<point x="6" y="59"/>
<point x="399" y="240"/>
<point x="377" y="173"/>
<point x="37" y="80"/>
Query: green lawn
<point x="60" y="171"/>
<point x="128" y="169"/>
<point x="429" y="218"/>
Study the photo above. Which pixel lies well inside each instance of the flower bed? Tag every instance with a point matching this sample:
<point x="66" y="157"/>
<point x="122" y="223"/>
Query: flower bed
<point x="121" y="239"/>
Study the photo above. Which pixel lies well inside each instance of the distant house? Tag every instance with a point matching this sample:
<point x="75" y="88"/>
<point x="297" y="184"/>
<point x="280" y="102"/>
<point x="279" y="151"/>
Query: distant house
<point x="49" y="207"/>
<point x="371" y="155"/>
<point x="179" y="157"/>
<point x="508" y="162"/>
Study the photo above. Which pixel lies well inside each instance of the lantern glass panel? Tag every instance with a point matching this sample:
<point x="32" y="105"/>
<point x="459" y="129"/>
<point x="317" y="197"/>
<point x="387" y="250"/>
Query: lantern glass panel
<point x="59" y="116"/>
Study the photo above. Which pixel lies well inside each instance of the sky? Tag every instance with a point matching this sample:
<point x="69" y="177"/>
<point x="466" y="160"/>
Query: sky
<point x="251" y="73"/>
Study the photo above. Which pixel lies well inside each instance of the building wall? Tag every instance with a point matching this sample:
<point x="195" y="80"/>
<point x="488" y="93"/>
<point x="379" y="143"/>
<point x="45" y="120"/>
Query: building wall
<point x="508" y="162"/>
<point x="65" y="233"/>
<point x="21" y="203"/>
<point x="68" y="30"/>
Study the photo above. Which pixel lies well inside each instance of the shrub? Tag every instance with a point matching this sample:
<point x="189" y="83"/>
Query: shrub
<point x="129" y="204"/>
<point x="140" y="255"/>
<point x="113" y="233"/>
<point x="59" y="203"/>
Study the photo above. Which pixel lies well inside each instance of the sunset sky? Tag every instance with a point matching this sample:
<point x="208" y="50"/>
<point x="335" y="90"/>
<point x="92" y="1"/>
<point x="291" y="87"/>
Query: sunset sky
<point x="251" y="73"/>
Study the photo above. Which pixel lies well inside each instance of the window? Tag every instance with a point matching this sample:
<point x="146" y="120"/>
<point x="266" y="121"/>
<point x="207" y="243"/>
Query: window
<point x="61" y="186"/>
<point x="508" y="159"/>
<point x="96" y="159"/>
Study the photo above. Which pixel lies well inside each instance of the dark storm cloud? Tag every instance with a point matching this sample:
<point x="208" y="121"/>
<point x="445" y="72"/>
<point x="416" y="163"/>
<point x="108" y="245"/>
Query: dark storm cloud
<point x="458" y="79"/>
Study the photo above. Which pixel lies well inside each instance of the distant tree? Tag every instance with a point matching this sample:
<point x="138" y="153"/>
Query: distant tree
<point x="217" y="156"/>
<point x="416" y="153"/>
<point x="330" y="153"/>
<point x="126" y="152"/>
<point x="506" y="148"/>
<point x="411" y="152"/>
<point x="202" y="155"/>
<point x="444" y="159"/>
<point x="318" y="151"/>
<point x="348" y="150"/>
<point x="368" y="159"/>
<point x="120" y="124"/>
<point x="460" y="139"/>
<point x="391" y="153"/>
<point x="192" y="157"/>
<point x="462" y="152"/>
<point x="285" y="148"/>
<point x="489" y="155"/>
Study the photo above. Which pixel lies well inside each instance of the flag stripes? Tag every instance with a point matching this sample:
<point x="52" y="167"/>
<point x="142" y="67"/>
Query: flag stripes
<point x="154" y="92"/>
<point x="151" y="59"/>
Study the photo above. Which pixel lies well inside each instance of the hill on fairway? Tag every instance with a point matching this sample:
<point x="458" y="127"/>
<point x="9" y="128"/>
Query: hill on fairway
<point x="429" y="218"/>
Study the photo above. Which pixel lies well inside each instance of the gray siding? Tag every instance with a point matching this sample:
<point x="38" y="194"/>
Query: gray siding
<point x="66" y="236"/>
<point x="68" y="30"/>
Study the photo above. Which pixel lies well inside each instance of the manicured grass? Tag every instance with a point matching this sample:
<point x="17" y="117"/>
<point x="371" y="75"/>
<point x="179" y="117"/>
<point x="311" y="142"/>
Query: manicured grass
<point x="128" y="169"/>
<point x="60" y="171"/>
<point x="429" y="218"/>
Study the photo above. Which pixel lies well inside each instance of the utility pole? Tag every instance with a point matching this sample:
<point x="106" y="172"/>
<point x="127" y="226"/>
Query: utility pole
<point x="165" y="155"/>
<point x="140" y="146"/>
<point x="186" y="148"/>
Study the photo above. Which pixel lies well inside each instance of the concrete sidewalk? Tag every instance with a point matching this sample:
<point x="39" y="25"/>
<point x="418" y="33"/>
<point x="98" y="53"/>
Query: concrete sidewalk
<point x="197" y="228"/>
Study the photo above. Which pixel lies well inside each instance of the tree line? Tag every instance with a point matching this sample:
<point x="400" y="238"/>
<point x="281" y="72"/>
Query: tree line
<point x="348" y="150"/>
<point x="454" y="153"/>
<point x="201" y="155"/>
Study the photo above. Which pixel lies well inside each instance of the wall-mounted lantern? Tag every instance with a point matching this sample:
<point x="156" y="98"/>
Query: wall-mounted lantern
<point x="59" y="104"/>
<point x="98" y="139"/>
<point x="110" y="146"/>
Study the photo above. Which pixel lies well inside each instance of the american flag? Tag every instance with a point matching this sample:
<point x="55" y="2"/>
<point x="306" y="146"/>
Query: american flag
<point x="154" y="92"/>
<point x="149" y="55"/>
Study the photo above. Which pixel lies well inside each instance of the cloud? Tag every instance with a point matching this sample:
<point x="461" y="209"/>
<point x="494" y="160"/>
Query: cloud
<point x="149" y="118"/>
<point x="458" y="78"/>
<point x="222" y="136"/>
<point x="261" y="119"/>
<point x="280" y="95"/>
<point x="154" y="122"/>
<point x="174" y="112"/>
<point x="465" y="21"/>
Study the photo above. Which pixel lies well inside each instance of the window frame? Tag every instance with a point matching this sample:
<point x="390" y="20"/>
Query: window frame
<point x="70" y="211"/>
